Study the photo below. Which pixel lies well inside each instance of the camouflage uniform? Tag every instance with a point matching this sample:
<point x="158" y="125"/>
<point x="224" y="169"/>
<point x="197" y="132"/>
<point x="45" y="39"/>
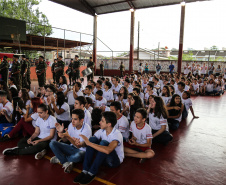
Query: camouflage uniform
<point x="54" y="74"/>
<point x="76" y="73"/>
<point x="23" y="74"/>
<point x="70" y="74"/>
<point x="41" y="78"/>
<point x="122" y="69"/>
<point x="59" y="73"/>
<point x="4" y="70"/>
<point x="16" y="67"/>
<point x="29" y="73"/>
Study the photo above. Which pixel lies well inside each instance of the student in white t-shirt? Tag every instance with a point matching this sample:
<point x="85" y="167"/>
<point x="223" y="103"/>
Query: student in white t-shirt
<point x="180" y="86"/>
<point x="6" y="108"/>
<point x="100" y="100"/>
<point x="106" y="145"/>
<point x="195" y="87"/>
<point x="76" y="90"/>
<point x="80" y="103"/>
<point x="149" y="92"/>
<point x="62" y="84"/>
<point x="122" y="122"/>
<point x="158" y="121"/>
<point x="97" y="87"/>
<point x="88" y="92"/>
<point x="39" y="141"/>
<point x="26" y="123"/>
<point x="186" y="100"/>
<point x="107" y="93"/>
<point x="122" y="97"/>
<point x="67" y="154"/>
<point x="115" y="87"/>
<point x="12" y="83"/>
<point x="166" y="94"/>
<point x="128" y="85"/>
<point x="141" y="137"/>
<point x="88" y="105"/>
<point x="61" y="109"/>
<point x="23" y="94"/>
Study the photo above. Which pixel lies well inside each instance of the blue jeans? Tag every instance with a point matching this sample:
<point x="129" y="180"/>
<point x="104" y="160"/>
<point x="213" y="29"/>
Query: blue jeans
<point x="66" y="153"/>
<point x="110" y="160"/>
<point x="8" y="130"/>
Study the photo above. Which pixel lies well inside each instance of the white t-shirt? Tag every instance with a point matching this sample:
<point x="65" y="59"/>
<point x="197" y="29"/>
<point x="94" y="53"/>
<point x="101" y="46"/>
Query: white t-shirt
<point x="28" y="102"/>
<point x="65" y="116"/>
<point x="196" y="86"/>
<point x="64" y="87"/>
<point x="91" y="96"/>
<point x="179" y="93"/>
<point x="130" y="89"/>
<point x="147" y="95"/>
<point x="8" y="107"/>
<point x="123" y="126"/>
<point x="70" y="98"/>
<point x="90" y="109"/>
<point x="187" y="70"/>
<point x="187" y="103"/>
<point x="108" y="95"/>
<point x="115" y="135"/>
<point x="142" y="134"/>
<point x="34" y="117"/>
<point x="166" y="99"/>
<point x="140" y="69"/>
<point x="79" y="93"/>
<point x="156" y="122"/>
<point x="14" y="86"/>
<point x="31" y="94"/>
<point x="74" y="132"/>
<point x="100" y="103"/>
<point x="117" y="89"/>
<point x="87" y="118"/>
<point x="209" y="88"/>
<point x="45" y="126"/>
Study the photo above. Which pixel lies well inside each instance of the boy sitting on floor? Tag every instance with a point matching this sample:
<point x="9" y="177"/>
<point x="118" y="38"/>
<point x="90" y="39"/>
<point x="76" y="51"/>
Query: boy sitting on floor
<point x="107" y="144"/>
<point x="141" y="138"/>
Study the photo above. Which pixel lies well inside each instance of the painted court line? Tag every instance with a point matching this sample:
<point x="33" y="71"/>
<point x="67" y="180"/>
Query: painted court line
<point x="79" y="171"/>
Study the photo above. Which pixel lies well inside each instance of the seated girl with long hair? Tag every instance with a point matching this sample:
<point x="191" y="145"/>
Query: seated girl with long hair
<point x="175" y="109"/>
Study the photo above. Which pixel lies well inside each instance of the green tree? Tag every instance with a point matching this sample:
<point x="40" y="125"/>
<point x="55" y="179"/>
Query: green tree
<point x="188" y="56"/>
<point x="25" y="10"/>
<point x="214" y="47"/>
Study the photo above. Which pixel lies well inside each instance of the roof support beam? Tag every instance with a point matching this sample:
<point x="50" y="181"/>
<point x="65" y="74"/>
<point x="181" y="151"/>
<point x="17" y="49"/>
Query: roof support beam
<point x="88" y="7"/>
<point x="95" y="42"/>
<point x="131" y="41"/>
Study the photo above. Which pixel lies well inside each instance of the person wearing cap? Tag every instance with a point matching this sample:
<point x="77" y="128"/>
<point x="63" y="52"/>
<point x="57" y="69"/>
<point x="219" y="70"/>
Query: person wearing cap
<point x="4" y="66"/>
<point x="76" y="66"/>
<point x="91" y="66"/>
<point x="23" y="71"/>
<point x="15" y="71"/>
<point x="41" y="71"/>
<point x="28" y="72"/>
<point x="59" y="70"/>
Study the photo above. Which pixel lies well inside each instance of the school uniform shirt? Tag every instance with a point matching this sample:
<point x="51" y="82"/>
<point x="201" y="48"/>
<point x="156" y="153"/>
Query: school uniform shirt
<point x="124" y="101"/>
<point x="64" y="87"/>
<point x="187" y="70"/>
<point x="65" y="116"/>
<point x="115" y="135"/>
<point x="31" y="94"/>
<point x="187" y="103"/>
<point x="100" y="103"/>
<point x="156" y="122"/>
<point x="130" y="89"/>
<point x="28" y="102"/>
<point x="187" y="87"/>
<point x="70" y="98"/>
<point x="107" y="108"/>
<point x="74" y="133"/>
<point x="209" y="88"/>
<point x="142" y="97"/>
<point x="80" y="93"/>
<point x="195" y="86"/>
<point x="123" y="126"/>
<point x="166" y="100"/>
<point x="161" y="84"/>
<point x="203" y="70"/>
<point x="91" y="96"/>
<point x="179" y="93"/>
<point x="117" y="89"/>
<point x="95" y="90"/>
<point x="8" y="107"/>
<point x="128" y="105"/>
<point x="108" y="95"/>
<point x="144" y="85"/>
<point x="45" y="126"/>
<point x="175" y="87"/>
<point x="147" y="95"/>
<point x="87" y="118"/>
<point x="90" y="109"/>
<point x="142" y="134"/>
<point x="34" y="117"/>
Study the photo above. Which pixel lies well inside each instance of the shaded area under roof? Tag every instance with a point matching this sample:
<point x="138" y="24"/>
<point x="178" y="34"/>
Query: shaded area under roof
<point x="109" y="6"/>
<point x="35" y="42"/>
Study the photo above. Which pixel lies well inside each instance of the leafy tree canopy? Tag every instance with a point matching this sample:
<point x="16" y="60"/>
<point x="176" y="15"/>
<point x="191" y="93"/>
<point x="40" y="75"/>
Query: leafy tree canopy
<point x="25" y="10"/>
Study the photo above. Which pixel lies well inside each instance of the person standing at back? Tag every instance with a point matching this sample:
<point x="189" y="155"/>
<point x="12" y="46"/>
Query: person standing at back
<point x="52" y="69"/>
<point x="28" y="72"/>
<point x="23" y="71"/>
<point x="4" y="66"/>
<point x="41" y="72"/>
<point x="158" y="68"/>
<point x="171" y="68"/>
<point x="15" y="71"/>
<point x="122" y="69"/>
<point x="102" y="69"/>
<point x="91" y="66"/>
<point x="70" y="68"/>
<point x="76" y="66"/>
<point x="60" y="69"/>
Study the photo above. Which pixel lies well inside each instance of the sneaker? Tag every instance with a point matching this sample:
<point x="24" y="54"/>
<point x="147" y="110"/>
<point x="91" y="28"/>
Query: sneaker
<point x="54" y="160"/>
<point x="87" y="179"/>
<point x="78" y="178"/>
<point x="10" y="151"/>
<point x="5" y="138"/>
<point x="41" y="154"/>
<point x="65" y="164"/>
<point x="68" y="168"/>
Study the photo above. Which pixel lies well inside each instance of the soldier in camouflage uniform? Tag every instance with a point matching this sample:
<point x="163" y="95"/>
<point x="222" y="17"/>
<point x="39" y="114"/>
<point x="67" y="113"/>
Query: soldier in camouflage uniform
<point x="4" y="69"/>
<point x="70" y="68"/>
<point x="41" y="71"/>
<point x="15" y="71"/>
<point x="23" y="71"/>
<point x="75" y="67"/>
<point x="52" y="69"/>
<point x="28" y="72"/>
<point x="60" y="69"/>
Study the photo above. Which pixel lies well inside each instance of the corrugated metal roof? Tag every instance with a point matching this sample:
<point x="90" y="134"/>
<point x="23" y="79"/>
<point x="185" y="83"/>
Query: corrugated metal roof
<point x="93" y="7"/>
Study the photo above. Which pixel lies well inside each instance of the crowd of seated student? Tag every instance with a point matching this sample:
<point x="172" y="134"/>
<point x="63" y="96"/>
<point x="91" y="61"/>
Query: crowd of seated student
<point x="111" y="117"/>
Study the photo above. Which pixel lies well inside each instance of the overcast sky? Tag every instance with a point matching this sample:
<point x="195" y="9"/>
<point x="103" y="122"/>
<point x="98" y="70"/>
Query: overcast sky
<point x="204" y="25"/>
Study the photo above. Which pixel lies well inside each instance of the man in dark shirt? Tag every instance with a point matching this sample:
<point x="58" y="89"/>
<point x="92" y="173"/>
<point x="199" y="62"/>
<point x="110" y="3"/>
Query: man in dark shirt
<point x="76" y="67"/>
<point x="171" y="68"/>
<point x="41" y="71"/>
<point x="52" y="69"/>
<point x="28" y="72"/>
<point x="102" y="69"/>
<point x="23" y="71"/>
<point x="15" y="71"/>
<point x="4" y="69"/>
<point x="70" y="71"/>
<point x="60" y="69"/>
